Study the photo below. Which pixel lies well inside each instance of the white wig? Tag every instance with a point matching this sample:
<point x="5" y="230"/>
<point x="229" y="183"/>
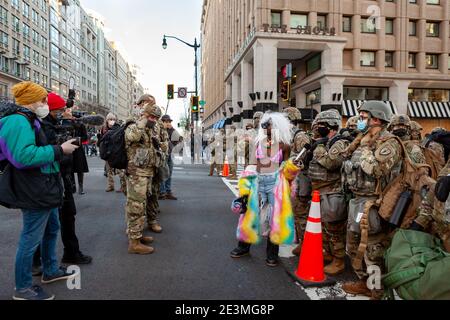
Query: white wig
<point x="281" y="128"/>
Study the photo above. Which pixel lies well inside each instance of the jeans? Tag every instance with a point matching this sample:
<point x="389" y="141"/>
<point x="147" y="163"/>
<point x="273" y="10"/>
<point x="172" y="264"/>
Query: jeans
<point x="166" y="186"/>
<point x="39" y="227"/>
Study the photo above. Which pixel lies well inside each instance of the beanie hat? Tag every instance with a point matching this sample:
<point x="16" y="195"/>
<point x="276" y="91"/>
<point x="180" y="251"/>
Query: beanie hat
<point x="55" y="102"/>
<point x="27" y="93"/>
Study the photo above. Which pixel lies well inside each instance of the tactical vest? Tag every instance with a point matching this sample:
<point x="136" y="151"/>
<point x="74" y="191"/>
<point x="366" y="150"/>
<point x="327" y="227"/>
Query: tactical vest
<point x="318" y="173"/>
<point x="141" y="156"/>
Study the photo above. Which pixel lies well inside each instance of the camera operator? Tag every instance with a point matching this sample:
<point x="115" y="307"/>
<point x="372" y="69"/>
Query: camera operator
<point x="54" y="132"/>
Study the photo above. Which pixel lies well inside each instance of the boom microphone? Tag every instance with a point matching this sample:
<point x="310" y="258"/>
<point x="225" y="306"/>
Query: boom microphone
<point x="95" y="120"/>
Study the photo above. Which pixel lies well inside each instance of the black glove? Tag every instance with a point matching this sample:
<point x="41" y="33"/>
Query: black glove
<point x="442" y="189"/>
<point x="416" y="227"/>
<point x="156" y="143"/>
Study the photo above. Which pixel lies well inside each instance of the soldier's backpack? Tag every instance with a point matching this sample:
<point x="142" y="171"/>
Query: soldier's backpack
<point x="112" y="147"/>
<point x="434" y="161"/>
<point x="418" y="268"/>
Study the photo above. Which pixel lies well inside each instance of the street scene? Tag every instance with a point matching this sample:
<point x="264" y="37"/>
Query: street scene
<point x="256" y="151"/>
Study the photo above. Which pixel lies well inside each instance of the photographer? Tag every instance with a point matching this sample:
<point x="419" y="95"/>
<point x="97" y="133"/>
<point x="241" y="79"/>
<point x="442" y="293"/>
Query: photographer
<point x="30" y="181"/>
<point x="53" y="131"/>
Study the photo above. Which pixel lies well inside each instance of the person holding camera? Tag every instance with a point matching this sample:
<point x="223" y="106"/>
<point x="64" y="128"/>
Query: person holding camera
<point x="30" y="180"/>
<point x="68" y="211"/>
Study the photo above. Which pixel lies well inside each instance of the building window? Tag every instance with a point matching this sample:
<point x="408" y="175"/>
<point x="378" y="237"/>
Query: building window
<point x="389" y="26"/>
<point x="26" y="30"/>
<point x="432" y="29"/>
<point x="367" y="59"/>
<point x="389" y="59"/>
<point x="413" y="1"/>
<point x="449" y="62"/>
<point x="314" y="64"/>
<point x="15" y="23"/>
<point x="366" y="93"/>
<point x="368" y="26"/>
<point x="322" y="21"/>
<point x="276" y="19"/>
<point x="347" y="24"/>
<point x="26" y="10"/>
<point x="431" y="95"/>
<point x="3" y="15"/>
<point x="435" y="2"/>
<point x="54" y="52"/>
<point x="413" y="28"/>
<point x="299" y="20"/>
<point x="54" y="35"/>
<point x="412" y="60"/>
<point x="432" y="61"/>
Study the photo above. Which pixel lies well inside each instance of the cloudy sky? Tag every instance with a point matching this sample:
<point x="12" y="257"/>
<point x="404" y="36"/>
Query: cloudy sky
<point x="138" y="27"/>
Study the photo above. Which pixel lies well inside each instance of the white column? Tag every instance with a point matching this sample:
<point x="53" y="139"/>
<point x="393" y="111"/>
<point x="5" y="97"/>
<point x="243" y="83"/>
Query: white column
<point x="398" y="94"/>
<point x="332" y="58"/>
<point x="265" y="69"/>
<point x="235" y="95"/>
<point x="330" y="86"/>
<point x="246" y="88"/>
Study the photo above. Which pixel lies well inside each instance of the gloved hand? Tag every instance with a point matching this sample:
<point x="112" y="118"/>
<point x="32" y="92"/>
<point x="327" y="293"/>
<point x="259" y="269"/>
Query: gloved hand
<point x="442" y="189"/>
<point x="415" y="226"/>
<point x="142" y="123"/>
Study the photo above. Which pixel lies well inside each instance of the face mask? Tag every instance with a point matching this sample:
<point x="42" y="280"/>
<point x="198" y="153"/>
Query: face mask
<point x="151" y="124"/>
<point x="323" y="131"/>
<point x="111" y="123"/>
<point x="362" y="126"/>
<point x="42" y="111"/>
<point x="400" y="132"/>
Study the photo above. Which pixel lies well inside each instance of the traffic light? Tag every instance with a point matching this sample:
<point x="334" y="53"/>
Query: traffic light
<point x="286" y="90"/>
<point x="170" y="91"/>
<point x="195" y="104"/>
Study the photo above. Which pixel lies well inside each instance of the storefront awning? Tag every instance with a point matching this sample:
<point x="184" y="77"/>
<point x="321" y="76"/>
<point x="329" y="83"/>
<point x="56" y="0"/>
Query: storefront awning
<point x="425" y="109"/>
<point x="350" y="107"/>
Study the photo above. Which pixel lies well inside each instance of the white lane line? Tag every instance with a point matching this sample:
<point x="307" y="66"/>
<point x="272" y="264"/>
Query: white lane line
<point x="233" y="189"/>
<point x="178" y="168"/>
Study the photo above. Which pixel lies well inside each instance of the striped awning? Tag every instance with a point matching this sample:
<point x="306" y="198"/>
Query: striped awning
<point x="350" y="107"/>
<point x="425" y="109"/>
<point x="219" y="124"/>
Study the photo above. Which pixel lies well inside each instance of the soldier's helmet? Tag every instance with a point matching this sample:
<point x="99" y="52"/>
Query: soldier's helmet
<point x="416" y="127"/>
<point x="398" y="120"/>
<point x="378" y="109"/>
<point x="352" y="122"/>
<point x="330" y="117"/>
<point x="293" y="114"/>
<point x="258" y="115"/>
<point x="438" y="129"/>
<point x="153" y="110"/>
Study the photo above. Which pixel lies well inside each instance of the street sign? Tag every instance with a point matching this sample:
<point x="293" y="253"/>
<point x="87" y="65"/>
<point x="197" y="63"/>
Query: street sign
<point x="202" y="102"/>
<point x="182" y="93"/>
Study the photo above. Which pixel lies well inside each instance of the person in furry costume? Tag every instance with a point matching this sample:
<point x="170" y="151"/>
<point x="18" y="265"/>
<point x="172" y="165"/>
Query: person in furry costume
<point x="271" y="180"/>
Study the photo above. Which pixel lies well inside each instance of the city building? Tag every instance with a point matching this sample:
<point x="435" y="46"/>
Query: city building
<point x="333" y="53"/>
<point x="124" y="107"/>
<point x="24" y="45"/>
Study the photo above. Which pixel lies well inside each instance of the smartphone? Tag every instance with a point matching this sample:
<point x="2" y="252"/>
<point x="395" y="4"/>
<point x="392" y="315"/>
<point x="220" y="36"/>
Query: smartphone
<point x="77" y="141"/>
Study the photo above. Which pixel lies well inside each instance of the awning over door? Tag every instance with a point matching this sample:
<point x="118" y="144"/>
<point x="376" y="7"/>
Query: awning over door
<point x="350" y="107"/>
<point x="425" y="109"/>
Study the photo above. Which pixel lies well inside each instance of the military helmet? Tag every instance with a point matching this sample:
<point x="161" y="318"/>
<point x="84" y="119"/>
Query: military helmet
<point x="401" y="119"/>
<point x="331" y="117"/>
<point x="293" y="114"/>
<point x="153" y="110"/>
<point x="415" y="126"/>
<point x="258" y="115"/>
<point x="353" y="121"/>
<point x="378" y="109"/>
<point x="438" y="129"/>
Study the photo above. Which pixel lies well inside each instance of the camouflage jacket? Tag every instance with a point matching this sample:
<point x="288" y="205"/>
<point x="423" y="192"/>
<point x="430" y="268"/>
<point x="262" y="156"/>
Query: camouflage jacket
<point x="140" y="151"/>
<point x="301" y="138"/>
<point x="415" y="151"/>
<point x="375" y="163"/>
<point x="439" y="148"/>
<point x="159" y="133"/>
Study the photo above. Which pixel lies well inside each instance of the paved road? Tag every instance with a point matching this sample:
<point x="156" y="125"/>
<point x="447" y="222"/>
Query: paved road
<point x="191" y="260"/>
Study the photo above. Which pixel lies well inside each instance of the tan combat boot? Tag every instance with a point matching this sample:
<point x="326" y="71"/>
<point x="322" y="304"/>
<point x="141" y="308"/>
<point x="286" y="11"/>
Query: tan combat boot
<point x="297" y="250"/>
<point x="327" y="258"/>
<point x="357" y="288"/>
<point x="337" y="266"/>
<point x="156" y="228"/>
<point x="146" y="240"/>
<point x="135" y="246"/>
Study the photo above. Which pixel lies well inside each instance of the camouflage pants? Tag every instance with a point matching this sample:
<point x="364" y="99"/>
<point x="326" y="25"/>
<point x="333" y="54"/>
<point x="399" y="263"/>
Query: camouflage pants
<point x="300" y="205"/>
<point x="334" y="238"/>
<point x="110" y="179"/>
<point x="138" y="192"/>
<point x="153" y="205"/>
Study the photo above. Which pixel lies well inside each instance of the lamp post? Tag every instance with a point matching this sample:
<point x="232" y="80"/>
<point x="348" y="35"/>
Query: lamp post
<point x="195" y="46"/>
<point x="312" y="97"/>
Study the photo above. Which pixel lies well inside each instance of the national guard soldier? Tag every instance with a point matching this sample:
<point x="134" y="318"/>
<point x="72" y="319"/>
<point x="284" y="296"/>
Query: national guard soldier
<point x="400" y="126"/>
<point x="374" y="160"/>
<point x="302" y="198"/>
<point x="437" y="147"/>
<point x="351" y="129"/>
<point x="325" y="174"/>
<point x="140" y="170"/>
<point x="416" y="131"/>
<point x="160" y="143"/>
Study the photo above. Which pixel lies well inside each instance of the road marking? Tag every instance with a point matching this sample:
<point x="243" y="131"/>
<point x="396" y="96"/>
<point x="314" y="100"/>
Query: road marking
<point x="233" y="189"/>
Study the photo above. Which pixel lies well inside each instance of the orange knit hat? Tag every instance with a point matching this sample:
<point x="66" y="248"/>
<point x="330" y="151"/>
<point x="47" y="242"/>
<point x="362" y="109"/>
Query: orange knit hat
<point x="27" y="93"/>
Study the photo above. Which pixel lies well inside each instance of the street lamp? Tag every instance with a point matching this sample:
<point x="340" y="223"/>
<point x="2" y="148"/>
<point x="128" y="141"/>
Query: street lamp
<point x="312" y="97"/>
<point x="195" y="46"/>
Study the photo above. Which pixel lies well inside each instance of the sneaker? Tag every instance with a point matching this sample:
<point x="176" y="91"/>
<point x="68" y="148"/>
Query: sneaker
<point x="33" y="293"/>
<point x="239" y="252"/>
<point x="79" y="258"/>
<point x="36" y="271"/>
<point x="61" y="274"/>
<point x="272" y="262"/>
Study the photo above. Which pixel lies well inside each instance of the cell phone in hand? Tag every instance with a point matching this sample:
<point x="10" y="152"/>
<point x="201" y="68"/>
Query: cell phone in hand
<point x="77" y="141"/>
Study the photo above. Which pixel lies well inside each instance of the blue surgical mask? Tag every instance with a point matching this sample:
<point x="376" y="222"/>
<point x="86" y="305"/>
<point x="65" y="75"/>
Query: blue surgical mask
<point x="362" y="125"/>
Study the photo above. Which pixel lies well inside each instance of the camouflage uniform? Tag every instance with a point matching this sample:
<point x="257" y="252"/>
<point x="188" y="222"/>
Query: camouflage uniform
<point x="161" y="135"/>
<point x="111" y="173"/>
<point x="325" y="174"/>
<point x="416" y="131"/>
<point x="437" y="147"/>
<point x="140" y="170"/>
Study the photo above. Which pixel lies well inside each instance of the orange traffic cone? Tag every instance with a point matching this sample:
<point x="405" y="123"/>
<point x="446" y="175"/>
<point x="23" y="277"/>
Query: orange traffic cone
<point x="310" y="268"/>
<point x="226" y="169"/>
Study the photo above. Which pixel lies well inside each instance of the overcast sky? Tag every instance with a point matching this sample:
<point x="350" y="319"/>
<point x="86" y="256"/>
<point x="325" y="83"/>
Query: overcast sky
<point x="139" y="25"/>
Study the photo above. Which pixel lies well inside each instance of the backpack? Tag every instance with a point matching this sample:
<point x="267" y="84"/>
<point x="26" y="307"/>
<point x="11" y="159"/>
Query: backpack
<point x="417" y="267"/>
<point x="112" y="147"/>
<point x="434" y="161"/>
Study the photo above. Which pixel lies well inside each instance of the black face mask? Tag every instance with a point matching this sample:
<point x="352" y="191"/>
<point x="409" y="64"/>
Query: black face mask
<point x="400" y="132"/>
<point x="323" y="131"/>
<point x="151" y="124"/>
